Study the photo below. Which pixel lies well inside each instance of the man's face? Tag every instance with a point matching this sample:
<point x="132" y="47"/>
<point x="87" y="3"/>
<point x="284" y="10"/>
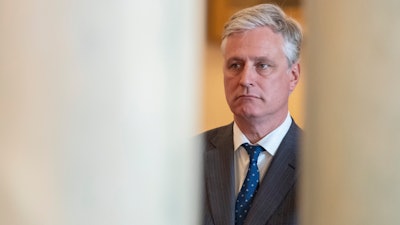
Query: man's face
<point x="257" y="78"/>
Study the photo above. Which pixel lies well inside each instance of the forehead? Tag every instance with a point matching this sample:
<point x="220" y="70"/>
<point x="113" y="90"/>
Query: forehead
<point x="261" y="41"/>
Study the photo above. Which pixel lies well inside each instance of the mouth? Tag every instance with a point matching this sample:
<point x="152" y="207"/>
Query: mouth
<point x="247" y="97"/>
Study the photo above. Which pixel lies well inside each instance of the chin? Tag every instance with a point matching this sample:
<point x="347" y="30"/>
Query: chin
<point x="246" y="113"/>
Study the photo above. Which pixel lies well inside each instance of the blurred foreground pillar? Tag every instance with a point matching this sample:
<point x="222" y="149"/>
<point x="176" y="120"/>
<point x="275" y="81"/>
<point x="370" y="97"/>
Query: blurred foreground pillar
<point x="98" y="100"/>
<point x="352" y="147"/>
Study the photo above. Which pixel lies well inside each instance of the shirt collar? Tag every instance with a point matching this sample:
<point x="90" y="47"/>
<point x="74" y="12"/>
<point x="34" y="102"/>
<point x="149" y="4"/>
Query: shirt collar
<point x="270" y="142"/>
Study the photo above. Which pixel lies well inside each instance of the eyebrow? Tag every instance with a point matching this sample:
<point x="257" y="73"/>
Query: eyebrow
<point x="262" y="58"/>
<point x="253" y="59"/>
<point x="234" y="58"/>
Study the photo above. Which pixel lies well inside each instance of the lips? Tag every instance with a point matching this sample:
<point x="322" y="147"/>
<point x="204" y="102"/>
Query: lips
<point x="248" y="96"/>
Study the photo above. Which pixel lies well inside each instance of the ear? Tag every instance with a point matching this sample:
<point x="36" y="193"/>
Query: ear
<point x="294" y="76"/>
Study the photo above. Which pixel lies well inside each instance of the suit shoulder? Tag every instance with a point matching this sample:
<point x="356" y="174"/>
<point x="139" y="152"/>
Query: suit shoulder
<point x="216" y="137"/>
<point x="216" y="131"/>
<point x="295" y="130"/>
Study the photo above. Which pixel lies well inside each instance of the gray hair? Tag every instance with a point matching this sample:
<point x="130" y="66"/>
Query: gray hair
<point x="273" y="17"/>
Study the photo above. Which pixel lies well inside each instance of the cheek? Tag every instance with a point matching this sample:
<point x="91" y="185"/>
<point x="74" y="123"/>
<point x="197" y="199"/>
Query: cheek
<point x="227" y="88"/>
<point x="277" y="89"/>
<point x="284" y="82"/>
<point x="225" y="81"/>
<point x="229" y="84"/>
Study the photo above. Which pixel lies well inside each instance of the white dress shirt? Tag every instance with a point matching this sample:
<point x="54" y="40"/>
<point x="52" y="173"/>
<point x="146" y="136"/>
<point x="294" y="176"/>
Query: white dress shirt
<point x="270" y="143"/>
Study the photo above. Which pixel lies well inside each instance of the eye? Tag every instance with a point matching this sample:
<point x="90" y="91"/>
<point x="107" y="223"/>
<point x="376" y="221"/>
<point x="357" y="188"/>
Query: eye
<point x="235" y="66"/>
<point x="263" y="66"/>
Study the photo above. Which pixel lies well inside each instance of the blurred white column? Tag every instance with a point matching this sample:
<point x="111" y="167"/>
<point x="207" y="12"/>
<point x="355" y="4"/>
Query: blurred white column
<point x="98" y="101"/>
<point x="352" y="148"/>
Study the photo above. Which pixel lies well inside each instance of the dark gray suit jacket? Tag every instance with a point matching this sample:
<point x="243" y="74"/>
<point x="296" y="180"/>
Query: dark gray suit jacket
<point x="275" y="202"/>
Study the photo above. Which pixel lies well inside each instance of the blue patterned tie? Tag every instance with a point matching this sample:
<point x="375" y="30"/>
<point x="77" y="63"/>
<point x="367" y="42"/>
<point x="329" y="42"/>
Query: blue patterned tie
<point x="250" y="184"/>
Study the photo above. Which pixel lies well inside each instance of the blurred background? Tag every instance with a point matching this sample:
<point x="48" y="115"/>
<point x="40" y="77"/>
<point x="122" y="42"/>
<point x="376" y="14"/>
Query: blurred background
<point x="99" y="103"/>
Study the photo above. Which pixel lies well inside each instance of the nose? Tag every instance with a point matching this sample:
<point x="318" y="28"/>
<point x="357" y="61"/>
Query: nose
<point x="247" y="76"/>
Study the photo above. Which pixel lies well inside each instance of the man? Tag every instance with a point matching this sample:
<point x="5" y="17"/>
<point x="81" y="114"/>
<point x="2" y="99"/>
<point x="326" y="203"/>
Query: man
<point x="260" y="47"/>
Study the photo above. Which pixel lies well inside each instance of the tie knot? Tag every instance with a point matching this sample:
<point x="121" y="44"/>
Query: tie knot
<point x="253" y="150"/>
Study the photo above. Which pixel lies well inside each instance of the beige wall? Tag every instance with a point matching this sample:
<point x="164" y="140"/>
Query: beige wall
<point x="352" y="149"/>
<point x="97" y="110"/>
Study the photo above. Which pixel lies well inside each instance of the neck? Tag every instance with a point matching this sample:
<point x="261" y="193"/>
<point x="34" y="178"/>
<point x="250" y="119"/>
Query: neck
<point x="255" y="129"/>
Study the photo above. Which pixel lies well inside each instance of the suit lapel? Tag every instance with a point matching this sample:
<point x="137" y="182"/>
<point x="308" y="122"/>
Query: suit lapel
<point x="280" y="178"/>
<point x="220" y="176"/>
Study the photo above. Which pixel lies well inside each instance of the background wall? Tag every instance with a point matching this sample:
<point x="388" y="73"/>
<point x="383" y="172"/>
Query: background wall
<point x="98" y="102"/>
<point x="351" y="154"/>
